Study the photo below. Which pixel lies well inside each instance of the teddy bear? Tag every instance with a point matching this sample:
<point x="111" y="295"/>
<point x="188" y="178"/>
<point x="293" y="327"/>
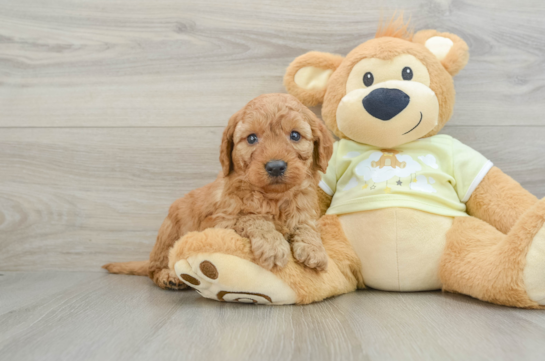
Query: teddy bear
<point x="388" y="159"/>
<point x="404" y="208"/>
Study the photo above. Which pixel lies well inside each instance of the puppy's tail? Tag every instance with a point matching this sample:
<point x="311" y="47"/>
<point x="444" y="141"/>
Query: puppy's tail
<point x="138" y="268"/>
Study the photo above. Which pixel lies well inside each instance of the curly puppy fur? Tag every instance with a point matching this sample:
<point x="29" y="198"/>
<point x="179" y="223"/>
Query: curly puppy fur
<point x="272" y="212"/>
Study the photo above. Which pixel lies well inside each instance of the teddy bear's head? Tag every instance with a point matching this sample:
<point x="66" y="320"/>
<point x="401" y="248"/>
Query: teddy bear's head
<point x="388" y="91"/>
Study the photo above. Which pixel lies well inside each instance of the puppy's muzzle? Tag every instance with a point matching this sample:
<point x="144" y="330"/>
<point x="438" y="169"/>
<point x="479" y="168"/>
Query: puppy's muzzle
<point x="276" y="168"/>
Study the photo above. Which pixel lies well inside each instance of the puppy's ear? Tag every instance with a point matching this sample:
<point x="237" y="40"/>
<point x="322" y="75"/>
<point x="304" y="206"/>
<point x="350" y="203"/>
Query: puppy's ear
<point x="449" y="49"/>
<point x="227" y="143"/>
<point x="307" y="76"/>
<point x="323" y="142"/>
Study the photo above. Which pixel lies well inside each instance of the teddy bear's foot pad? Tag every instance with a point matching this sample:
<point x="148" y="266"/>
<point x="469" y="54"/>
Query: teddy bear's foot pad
<point x="228" y="278"/>
<point x="534" y="272"/>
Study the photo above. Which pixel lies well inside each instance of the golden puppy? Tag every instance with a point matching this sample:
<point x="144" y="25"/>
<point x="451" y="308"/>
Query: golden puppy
<point x="271" y="152"/>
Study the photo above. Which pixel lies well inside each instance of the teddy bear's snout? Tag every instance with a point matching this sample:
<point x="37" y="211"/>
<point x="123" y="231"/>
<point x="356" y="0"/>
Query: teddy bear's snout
<point x="384" y="103"/>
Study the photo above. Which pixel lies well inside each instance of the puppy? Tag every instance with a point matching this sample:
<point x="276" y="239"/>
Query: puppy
<point x="271" y="154"/>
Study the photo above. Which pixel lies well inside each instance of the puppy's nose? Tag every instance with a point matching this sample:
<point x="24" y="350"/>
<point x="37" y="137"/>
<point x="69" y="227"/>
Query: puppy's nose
<point x="276" y="168"/>
<point x="384" y="104"/>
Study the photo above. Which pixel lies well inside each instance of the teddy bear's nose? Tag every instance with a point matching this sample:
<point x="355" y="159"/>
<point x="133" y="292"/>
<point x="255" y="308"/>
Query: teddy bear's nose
<point x="384" y="103"/>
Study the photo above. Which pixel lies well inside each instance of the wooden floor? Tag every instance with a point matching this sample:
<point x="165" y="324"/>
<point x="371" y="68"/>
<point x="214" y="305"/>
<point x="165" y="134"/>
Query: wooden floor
<point x="110" y="110"/>
<point x="55" y="315"/>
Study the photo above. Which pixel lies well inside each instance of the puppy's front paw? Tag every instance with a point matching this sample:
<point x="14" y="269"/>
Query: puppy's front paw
<point x="311" y="255"/>
<point x="166" y="279"/>
<point x="271" y="250"/>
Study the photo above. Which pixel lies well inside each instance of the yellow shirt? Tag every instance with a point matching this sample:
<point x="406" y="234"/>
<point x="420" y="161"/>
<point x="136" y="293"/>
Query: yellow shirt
<point x="435" y="175"/>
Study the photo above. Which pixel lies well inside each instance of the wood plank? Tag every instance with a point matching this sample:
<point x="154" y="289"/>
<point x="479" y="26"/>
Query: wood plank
<point x="73" y="199"/>
<point x="81" y="194"/>
<point x="193" y="63"/>
<point x="95" y="316"/>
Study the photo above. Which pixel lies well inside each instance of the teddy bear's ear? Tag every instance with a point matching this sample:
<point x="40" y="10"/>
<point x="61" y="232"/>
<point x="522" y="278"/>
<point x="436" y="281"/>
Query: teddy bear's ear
<point x="307" y="76"/>
<point x="449" y="49"/>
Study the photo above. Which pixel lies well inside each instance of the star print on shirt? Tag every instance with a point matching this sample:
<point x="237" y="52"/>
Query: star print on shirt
<point x="399" y="182"/>
<point x="372" y="187"/>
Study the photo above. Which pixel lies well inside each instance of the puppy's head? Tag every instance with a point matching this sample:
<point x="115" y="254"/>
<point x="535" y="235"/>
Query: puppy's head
<point x="274" y="143"/>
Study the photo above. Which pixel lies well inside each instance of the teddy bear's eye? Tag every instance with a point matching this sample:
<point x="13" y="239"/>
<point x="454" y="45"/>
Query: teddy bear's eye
<point x="368" y="79"/>
<point x="407" y="73"/>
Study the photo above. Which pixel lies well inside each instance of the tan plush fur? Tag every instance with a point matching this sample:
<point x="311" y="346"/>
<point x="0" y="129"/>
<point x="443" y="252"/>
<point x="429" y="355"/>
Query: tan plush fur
<point x="324" y="201"/>
<point x="320" y="60"/>
<point x="458" y="55"/>
<point x="343" y="274"/>
<point x="207" y="242"/>
<point x="396" y="28"/>
<point x="499" y="200"/>
<point x="482" y="262"/>
<point x="269" y="211"/>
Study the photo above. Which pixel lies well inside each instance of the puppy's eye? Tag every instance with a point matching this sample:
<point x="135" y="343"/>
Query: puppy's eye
<point x="295" y="136"/>
<point x="407" y="73"/>
<point x="368" y="79"/>
<point x="252" y="139"/>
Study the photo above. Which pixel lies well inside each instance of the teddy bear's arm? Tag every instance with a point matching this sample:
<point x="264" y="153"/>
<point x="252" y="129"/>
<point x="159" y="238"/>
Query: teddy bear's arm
<point x="499" y="200"/>
<point x="324" y="200"/>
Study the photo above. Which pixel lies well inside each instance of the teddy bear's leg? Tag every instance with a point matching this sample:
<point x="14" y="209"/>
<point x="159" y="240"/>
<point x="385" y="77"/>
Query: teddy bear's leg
<point x="219" y="264"/>
<point x="484" y="263"/>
